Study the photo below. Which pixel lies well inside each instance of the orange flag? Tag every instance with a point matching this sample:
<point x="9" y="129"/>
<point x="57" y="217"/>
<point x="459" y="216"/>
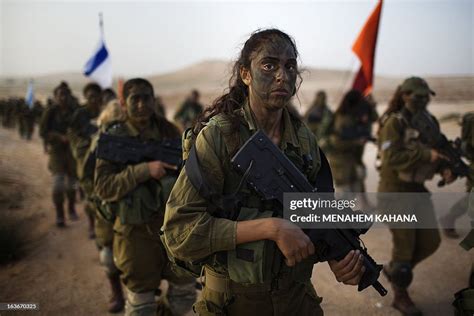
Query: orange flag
<point x="364" y="48"/>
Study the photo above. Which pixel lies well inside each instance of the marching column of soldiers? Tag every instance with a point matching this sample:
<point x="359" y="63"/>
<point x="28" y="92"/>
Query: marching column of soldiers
<point x="151" y="222"/>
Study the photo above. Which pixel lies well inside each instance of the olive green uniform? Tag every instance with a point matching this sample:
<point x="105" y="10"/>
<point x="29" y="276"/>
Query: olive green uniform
<point x="26" y="118"/>
<point x="319" y="119"/>
<point x="53" y="127"/>
<point x="187" y="113"/>
<point x="80" y="141"/>
<point x="405" y="165"/>
<point x="139" y="202"/>
<point x="54" y="124"/>
<point x="468" y="148"/>
<point x="262" y="284"/>
<point x="83" y="136"/>
<point x="345" y="156"/>
<point x="467" y="137"/>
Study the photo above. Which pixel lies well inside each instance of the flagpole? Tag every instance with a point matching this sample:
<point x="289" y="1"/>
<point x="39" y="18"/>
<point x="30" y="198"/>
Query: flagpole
<point x="101" y="25"/>
<point x="345" y="80"/>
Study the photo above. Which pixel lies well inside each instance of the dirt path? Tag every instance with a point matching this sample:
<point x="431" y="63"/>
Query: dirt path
<point x="61" y="271"/>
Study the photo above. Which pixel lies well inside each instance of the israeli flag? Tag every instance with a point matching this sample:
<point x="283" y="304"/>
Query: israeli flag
<point x="99" y="67"/>
<point x="30" y="95"/>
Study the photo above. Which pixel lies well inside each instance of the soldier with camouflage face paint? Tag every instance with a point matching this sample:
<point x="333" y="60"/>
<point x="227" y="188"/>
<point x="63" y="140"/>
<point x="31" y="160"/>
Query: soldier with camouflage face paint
<point x="272" y="274"/>
<point x="406" y="163"/>
<point x="138" y="194"/>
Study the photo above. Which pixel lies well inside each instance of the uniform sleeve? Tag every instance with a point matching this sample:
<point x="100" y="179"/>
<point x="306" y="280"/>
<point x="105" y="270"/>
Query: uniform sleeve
<point x="112" y="184"/>
<point x="393" y="151"/>
<point x="191" y="233"/>
<point x="79" y="144"/>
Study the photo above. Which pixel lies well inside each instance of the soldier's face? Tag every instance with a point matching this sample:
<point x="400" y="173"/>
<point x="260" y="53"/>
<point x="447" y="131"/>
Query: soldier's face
<point x="139" y="103"/>
<point x="93" y="98"/>
<point x="416" y="101"/>
<point x="272" y="76"/>
<point x="61" y="97"/>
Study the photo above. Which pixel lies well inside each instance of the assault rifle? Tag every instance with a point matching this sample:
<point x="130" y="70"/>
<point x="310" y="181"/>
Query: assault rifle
<point x="130" y="150"/>
<point x="270" y="173"/>
<point x="431" y="135"/>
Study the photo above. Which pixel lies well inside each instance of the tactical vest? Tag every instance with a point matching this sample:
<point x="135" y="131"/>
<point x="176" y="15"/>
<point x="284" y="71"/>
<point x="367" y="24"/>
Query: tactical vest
<point x="255" y="262"/>
<point x="144" y="203"/>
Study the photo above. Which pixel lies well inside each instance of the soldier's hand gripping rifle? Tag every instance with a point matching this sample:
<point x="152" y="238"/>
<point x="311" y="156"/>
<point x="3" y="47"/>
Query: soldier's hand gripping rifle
<point x="270" y="173"/>
<point x="431" y="134"/>
<point x="130" y="150"/>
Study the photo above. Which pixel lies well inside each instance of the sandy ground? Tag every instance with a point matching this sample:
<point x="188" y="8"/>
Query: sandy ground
<point x="61" y="270"/>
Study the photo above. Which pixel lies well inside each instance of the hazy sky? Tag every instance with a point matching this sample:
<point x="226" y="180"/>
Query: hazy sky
<point x="148" y="37"/>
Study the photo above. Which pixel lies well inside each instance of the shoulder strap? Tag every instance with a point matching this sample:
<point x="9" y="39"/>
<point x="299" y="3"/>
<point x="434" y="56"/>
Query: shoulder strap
<point x="226" y="206"/>
<point x="231" y="138"/>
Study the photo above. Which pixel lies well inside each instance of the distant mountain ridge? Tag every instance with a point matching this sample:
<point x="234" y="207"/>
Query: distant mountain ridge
<point x="211" y="77"/>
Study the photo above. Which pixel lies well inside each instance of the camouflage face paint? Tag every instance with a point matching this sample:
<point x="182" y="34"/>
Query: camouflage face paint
<point x="61" y="97"/>
<point x="94" y="99"/>
<point x="417" y="101"/>
<point x="139" y="104"/>
<point x="273" y="74"/>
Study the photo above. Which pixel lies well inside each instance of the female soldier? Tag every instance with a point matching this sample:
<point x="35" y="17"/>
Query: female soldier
<point x="260" y="280"/>
<point x="350" y="131"/>
<point x="406" y="163"/>
<point x="53" y="128"/>
<point x="319" y="117"/>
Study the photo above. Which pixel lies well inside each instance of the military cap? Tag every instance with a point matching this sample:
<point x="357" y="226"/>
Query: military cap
<point x="416" y="85"/>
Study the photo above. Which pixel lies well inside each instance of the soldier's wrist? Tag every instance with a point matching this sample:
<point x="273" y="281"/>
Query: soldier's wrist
<point x="271" y="228"/>
<point x="141" y="172"/>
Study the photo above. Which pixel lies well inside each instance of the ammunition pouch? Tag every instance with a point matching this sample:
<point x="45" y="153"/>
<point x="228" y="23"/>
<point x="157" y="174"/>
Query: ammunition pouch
<point x="147" y="201"/>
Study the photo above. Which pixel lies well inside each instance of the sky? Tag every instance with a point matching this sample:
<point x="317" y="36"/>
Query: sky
<point x="422" y="37"/>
